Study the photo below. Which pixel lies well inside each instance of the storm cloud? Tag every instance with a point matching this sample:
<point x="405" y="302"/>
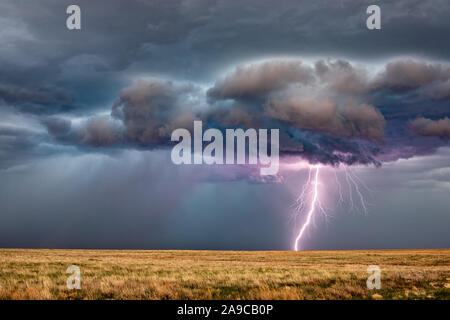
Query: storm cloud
<point x="261" y="79"/>
<point x="329" y="111"/>
<point x="426" y="127"/>
<point x="90" y="113"/>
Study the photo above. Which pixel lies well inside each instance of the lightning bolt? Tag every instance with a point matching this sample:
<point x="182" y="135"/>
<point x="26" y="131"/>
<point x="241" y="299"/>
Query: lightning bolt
<point x="311" y="210"/>
<point x="301" y="197"/>
<point x="311" y="190"/>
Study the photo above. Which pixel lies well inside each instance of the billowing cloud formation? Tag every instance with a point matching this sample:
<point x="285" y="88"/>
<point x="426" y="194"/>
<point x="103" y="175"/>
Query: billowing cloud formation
<point x="358" y="113"/>
<point x="426" y="127"/>
<point x="151" y="109"/>
<point x="329" y="112"/>
<point x="145" y="115"/>
<point x="326" y="98"/>
<point x="351" y="120"/>
<point x="410" y="74"/>
<point x="99" y="131"/>
<point x="261" y="79"/>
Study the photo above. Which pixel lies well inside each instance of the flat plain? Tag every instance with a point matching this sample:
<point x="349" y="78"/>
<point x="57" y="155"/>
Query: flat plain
<point x="180" y="274"/>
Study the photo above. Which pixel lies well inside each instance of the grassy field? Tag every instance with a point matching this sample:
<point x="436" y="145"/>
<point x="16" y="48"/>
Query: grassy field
<point x="129" y="274"/>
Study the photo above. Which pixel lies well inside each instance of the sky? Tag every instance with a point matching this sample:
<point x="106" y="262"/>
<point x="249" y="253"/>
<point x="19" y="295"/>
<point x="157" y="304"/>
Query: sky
<point x="86" y="118"/>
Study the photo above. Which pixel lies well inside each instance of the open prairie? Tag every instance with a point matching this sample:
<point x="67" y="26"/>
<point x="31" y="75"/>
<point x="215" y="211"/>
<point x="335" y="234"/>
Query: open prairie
<point x="159" y="274"/>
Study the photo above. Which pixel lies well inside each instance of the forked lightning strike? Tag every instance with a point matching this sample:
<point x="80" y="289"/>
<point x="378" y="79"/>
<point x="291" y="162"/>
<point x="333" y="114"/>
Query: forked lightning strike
<point x="311" y="188"/>
<point x="312" y="209"/>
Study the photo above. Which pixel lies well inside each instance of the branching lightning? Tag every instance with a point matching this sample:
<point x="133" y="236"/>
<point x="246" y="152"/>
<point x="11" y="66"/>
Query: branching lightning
<point x="312" y="208"/>
<point x="309" y="199"/>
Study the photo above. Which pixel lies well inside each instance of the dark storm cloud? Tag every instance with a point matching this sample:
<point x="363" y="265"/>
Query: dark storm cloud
<point x="49" y="70"/>
<point x="57" y="127"/>
<point x="39" y="100"/>
<point x="99" y="131"/>
<point x="427" y="127"/>
<point x="95" y="131"/>
<point x="300" y="95"/>
<point x="261" y="79"/>
<point x="151" y="109"/>
<point x="191" y="40"/>
<point x="346" y="100"/>
<point x="351" y="120"/>
<point x="69" y="100"/>
<point x="410" y="74"/>
<point x="145" y="114"/>
<point x="331" y="112"/>
<point x="195" y="38"/>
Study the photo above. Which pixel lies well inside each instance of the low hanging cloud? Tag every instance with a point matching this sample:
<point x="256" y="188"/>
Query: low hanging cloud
<point x="342" y="77"/>
<point x="100" y="131"/>
<point x="411" y="74"/>
<point x="442" y="91"/>
<point x="350" y="120"/>
<point x="429" y="128"/>
<point x="151" y="109"/>
<point x="36" y="100"/>
<point x="261" y="79"/>
<point x="145" y="115"/>
<point x="331" y="111"/>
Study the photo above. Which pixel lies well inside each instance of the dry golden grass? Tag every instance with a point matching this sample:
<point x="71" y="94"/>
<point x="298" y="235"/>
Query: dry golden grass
<point x="158" y="274"/>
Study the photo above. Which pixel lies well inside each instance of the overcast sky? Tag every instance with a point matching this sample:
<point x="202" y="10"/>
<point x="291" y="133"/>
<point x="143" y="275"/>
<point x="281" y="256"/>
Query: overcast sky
<point x="86" y="117"/>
